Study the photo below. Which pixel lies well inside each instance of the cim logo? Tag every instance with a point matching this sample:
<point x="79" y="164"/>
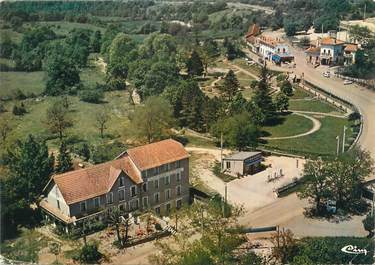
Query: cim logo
<point x="350" y="249"/>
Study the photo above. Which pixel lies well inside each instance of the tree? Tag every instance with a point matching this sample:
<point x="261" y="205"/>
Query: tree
<point x="281" y="102"/>
<point x="64" y="160"/>
<point x="91" y="95"/>
<point x="194" y="64"/>
<point x="57" y="119"/>
<point x="347" y="174"/>
<point x="101" y="118"/>
<point x="231" y="51"/>
<point x="30" y="168"/>
<point x="121" y="52"/>
<point x="96" y="41"/>
<point x="284" y="246"/>
<point x="316" y="186"/>
<point x="62" y="71"/>
<point x="208" y="52"/>
<point x="369" y="224"/>
<point x="286" y="88"/>
<point x="152" y="120"/>
<point x="114" y="219"/>
<point x="89" y="254"/>
<point x="230" y="86"/>
<point x="238" y="131"/>
<point x="290" y="28"/>
<point x="262" y="98"/>
<point x="218" y="241"/>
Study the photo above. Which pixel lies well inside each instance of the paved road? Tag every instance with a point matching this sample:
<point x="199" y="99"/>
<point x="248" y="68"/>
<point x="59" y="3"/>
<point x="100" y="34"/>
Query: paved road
<point x="361" y="97"/>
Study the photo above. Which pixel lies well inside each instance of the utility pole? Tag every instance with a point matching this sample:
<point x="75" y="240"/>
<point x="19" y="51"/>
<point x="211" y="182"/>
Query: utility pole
<point x="343" y="140"/>
<point x="225" y="199"/>
<point x="221" y="150"/>
<point x="322" y="29"/>
<point x="364" y="12"/>
<point x="337" y="145"/>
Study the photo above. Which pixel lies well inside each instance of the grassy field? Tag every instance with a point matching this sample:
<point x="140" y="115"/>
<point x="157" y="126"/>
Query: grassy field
<point x="291" y="125"/>
<point x="27" y="82"/>
<point x="322" y="142"/>
<point x="14" y="36"/>
<point x="313" y="105"/>
<point x="299" y="93"/>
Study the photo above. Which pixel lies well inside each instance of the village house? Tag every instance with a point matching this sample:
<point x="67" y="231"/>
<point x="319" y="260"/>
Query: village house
<point x="269" y="48"/>
<point x="331" y="51"/>
<point x="242" y="163"/>
<point x="153" y="176"/>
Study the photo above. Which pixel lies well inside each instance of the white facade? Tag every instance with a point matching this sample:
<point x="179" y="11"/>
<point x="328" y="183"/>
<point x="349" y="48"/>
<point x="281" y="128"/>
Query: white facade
<point x="56" y="199"/>
<point x="268" y="50"/>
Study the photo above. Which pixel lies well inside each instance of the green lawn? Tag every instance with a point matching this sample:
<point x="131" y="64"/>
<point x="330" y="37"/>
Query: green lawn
<point x="291" y="124"/>
<point x="27" y="82"/>
<point x="255" y="69"/>
<point x="322" y="142"/>
<point x="14" y="36"/>
<point x="312" y="105"/>
<point x="299" y="93"/>
<point x="199" y="141"/>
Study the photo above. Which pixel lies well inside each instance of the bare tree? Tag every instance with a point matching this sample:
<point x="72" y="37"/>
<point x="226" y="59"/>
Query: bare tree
<point x="57" y="119"/>
<point x="101" y="120"/>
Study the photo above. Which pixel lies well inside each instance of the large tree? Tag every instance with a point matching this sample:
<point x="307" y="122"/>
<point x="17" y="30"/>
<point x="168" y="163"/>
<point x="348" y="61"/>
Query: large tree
<point x="64" y="160"/>
<point x="230" y="86"/>
<point x="152" y="120"/>
<point x="238" y="131"/>
<point x="194" y="64"/>
<point x="262" y="98"/>
<point x="30" y="167"/>
<point x="101" y="119"/>
<point x="316" y="186"/>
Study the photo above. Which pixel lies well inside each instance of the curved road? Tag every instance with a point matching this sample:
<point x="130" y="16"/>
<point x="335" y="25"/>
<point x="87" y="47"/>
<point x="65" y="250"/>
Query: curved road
<point x="362" y="98"/>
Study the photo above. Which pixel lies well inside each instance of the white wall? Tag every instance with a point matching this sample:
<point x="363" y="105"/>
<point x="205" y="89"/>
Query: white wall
<point x="55" y="195"/>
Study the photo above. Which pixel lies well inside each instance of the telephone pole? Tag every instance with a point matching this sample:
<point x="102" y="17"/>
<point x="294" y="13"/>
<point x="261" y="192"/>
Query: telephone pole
<point x="337" y="145"/>
<point x="343" y="139"/>
<point x="221" y="150"/>
<point x="364" y="12"/>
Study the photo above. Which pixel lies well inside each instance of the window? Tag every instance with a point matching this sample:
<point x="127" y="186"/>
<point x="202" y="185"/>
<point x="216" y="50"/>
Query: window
<point x="178" y="204"/>
<point x="167" y="194"/>
<point x="122" y="181"/>
<point x="144" y="187"/>
<point x="133" y="191"/>
<point x="167" y="180"/>
<point x="145" y="202"/>
<point x="157" y="210"/>
<point x="157" y="197"/>
<point x="178" y="177"/>
<point x="178" y="163"/>
<point x="228" y="164"/>
<point x="121" y="195"/>
<point x="168" y="207"/>
<point x="178" y="190"/>
<point x="83" y="206"/>
<point x="58" y="204"/>
<point x="134" y="204"/>
<point x="97" y="202"/>
<point x="110" y="198"/>
<point x="122" y="207"/>
<point x="156" y="183"/>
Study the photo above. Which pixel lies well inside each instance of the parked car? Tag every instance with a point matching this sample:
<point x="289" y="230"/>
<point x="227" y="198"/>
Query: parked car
<point x="348" y="82"/>
<point x="330" y="206"/>
<point x="327" y="74"/>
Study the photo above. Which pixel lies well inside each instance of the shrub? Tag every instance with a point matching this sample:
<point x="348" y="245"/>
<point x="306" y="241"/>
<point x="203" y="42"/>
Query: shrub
<point x="91" y="95"/>
<point x="19" y="110"/>
<point x="83" y="150"/>
<point x="18" y="94"/>
<point x="2" y="108"/>
<point x="88" y="253"/>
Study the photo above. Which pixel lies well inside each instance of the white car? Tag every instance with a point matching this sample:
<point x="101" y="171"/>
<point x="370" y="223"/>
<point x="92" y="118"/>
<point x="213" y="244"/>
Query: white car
<point x="327" y="74"/>
<point x="348" y="82"/>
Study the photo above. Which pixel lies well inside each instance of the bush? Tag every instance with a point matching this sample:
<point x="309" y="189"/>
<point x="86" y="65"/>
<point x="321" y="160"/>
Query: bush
<point x="88" y="253"/>
<point x="19" y="110"/>
<point x="91" y="95"/>
<point x="18" y="94"/>
<point x="83" y="150"/>
<point x="2" y="108"/>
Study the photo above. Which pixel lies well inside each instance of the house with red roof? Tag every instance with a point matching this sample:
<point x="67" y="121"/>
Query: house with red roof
<point x="154" y="176"/>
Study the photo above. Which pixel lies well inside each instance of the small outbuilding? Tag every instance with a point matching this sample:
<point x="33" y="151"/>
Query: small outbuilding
<point x="242" y="163"/>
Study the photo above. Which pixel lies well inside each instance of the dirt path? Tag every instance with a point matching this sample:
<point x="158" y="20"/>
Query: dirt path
<point x="321" y="113"/>
<point x="244" y="71"/>
<point x="101" y="64"/>
<point x="316" y="127"/>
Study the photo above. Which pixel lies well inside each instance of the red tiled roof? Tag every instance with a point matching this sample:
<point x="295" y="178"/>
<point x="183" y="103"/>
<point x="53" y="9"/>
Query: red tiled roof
<point x="331" y="41"/>
<point x="156" y="154"/>
<point x="313" y="50"/>
<point x="351" y="47"/>
<point x="254" y="30"/>
<point x="94" y="181"/>
<point x="270" y="41"/>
